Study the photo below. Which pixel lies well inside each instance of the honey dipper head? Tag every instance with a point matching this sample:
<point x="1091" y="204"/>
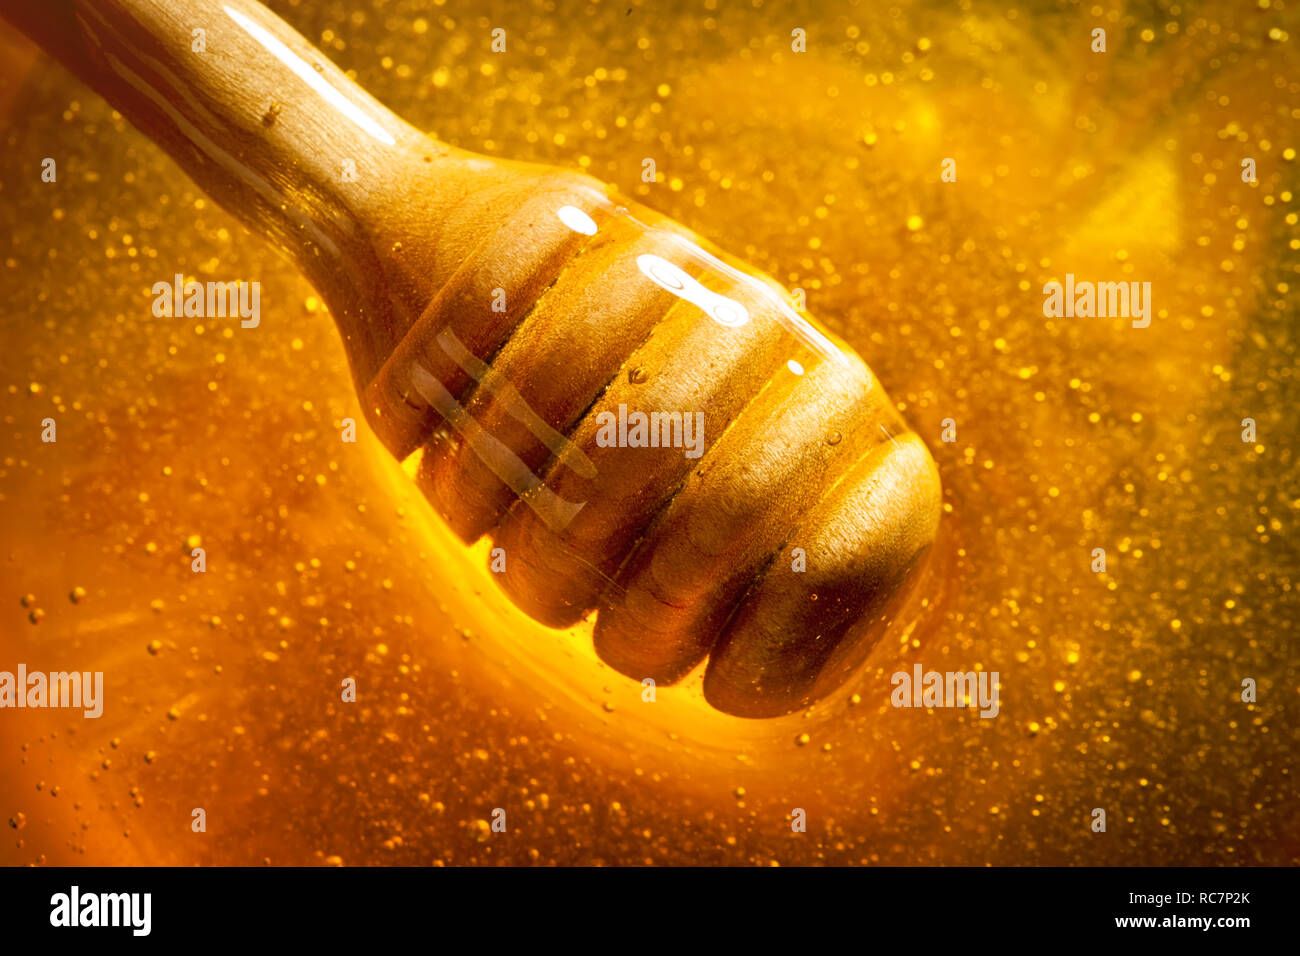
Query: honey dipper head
<point x="648" y="431"/>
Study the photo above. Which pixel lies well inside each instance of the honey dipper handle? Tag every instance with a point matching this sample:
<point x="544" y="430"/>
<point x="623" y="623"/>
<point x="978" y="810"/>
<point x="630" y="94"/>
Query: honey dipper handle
<point x="276" y="134"/>
<point x="252" y="112"/>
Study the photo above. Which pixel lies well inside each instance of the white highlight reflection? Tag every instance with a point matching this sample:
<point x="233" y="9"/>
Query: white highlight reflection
<point x="304" y="72"/>
<point x="577" y="220"/>
<point x="722" y="310"/>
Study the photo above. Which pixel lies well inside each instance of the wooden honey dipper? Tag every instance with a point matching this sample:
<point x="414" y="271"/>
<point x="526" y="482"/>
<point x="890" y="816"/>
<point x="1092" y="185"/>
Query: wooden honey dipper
<point x="513" y="323"/>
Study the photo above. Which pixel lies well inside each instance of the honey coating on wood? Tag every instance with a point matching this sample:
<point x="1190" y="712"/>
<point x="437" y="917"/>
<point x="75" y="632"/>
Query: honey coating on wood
<point x="1118" y="690"/>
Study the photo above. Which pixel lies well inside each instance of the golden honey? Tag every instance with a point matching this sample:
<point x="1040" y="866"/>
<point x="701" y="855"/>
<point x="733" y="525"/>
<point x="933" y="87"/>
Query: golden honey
<point x="1119" y="689"/>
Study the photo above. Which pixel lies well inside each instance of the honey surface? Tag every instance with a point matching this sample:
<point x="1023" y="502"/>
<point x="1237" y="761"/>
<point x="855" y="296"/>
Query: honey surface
<point x="1119" y="690"/>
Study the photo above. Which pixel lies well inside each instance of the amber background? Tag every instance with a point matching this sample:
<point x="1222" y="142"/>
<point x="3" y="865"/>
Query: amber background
<point x="1119" y="691"/>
